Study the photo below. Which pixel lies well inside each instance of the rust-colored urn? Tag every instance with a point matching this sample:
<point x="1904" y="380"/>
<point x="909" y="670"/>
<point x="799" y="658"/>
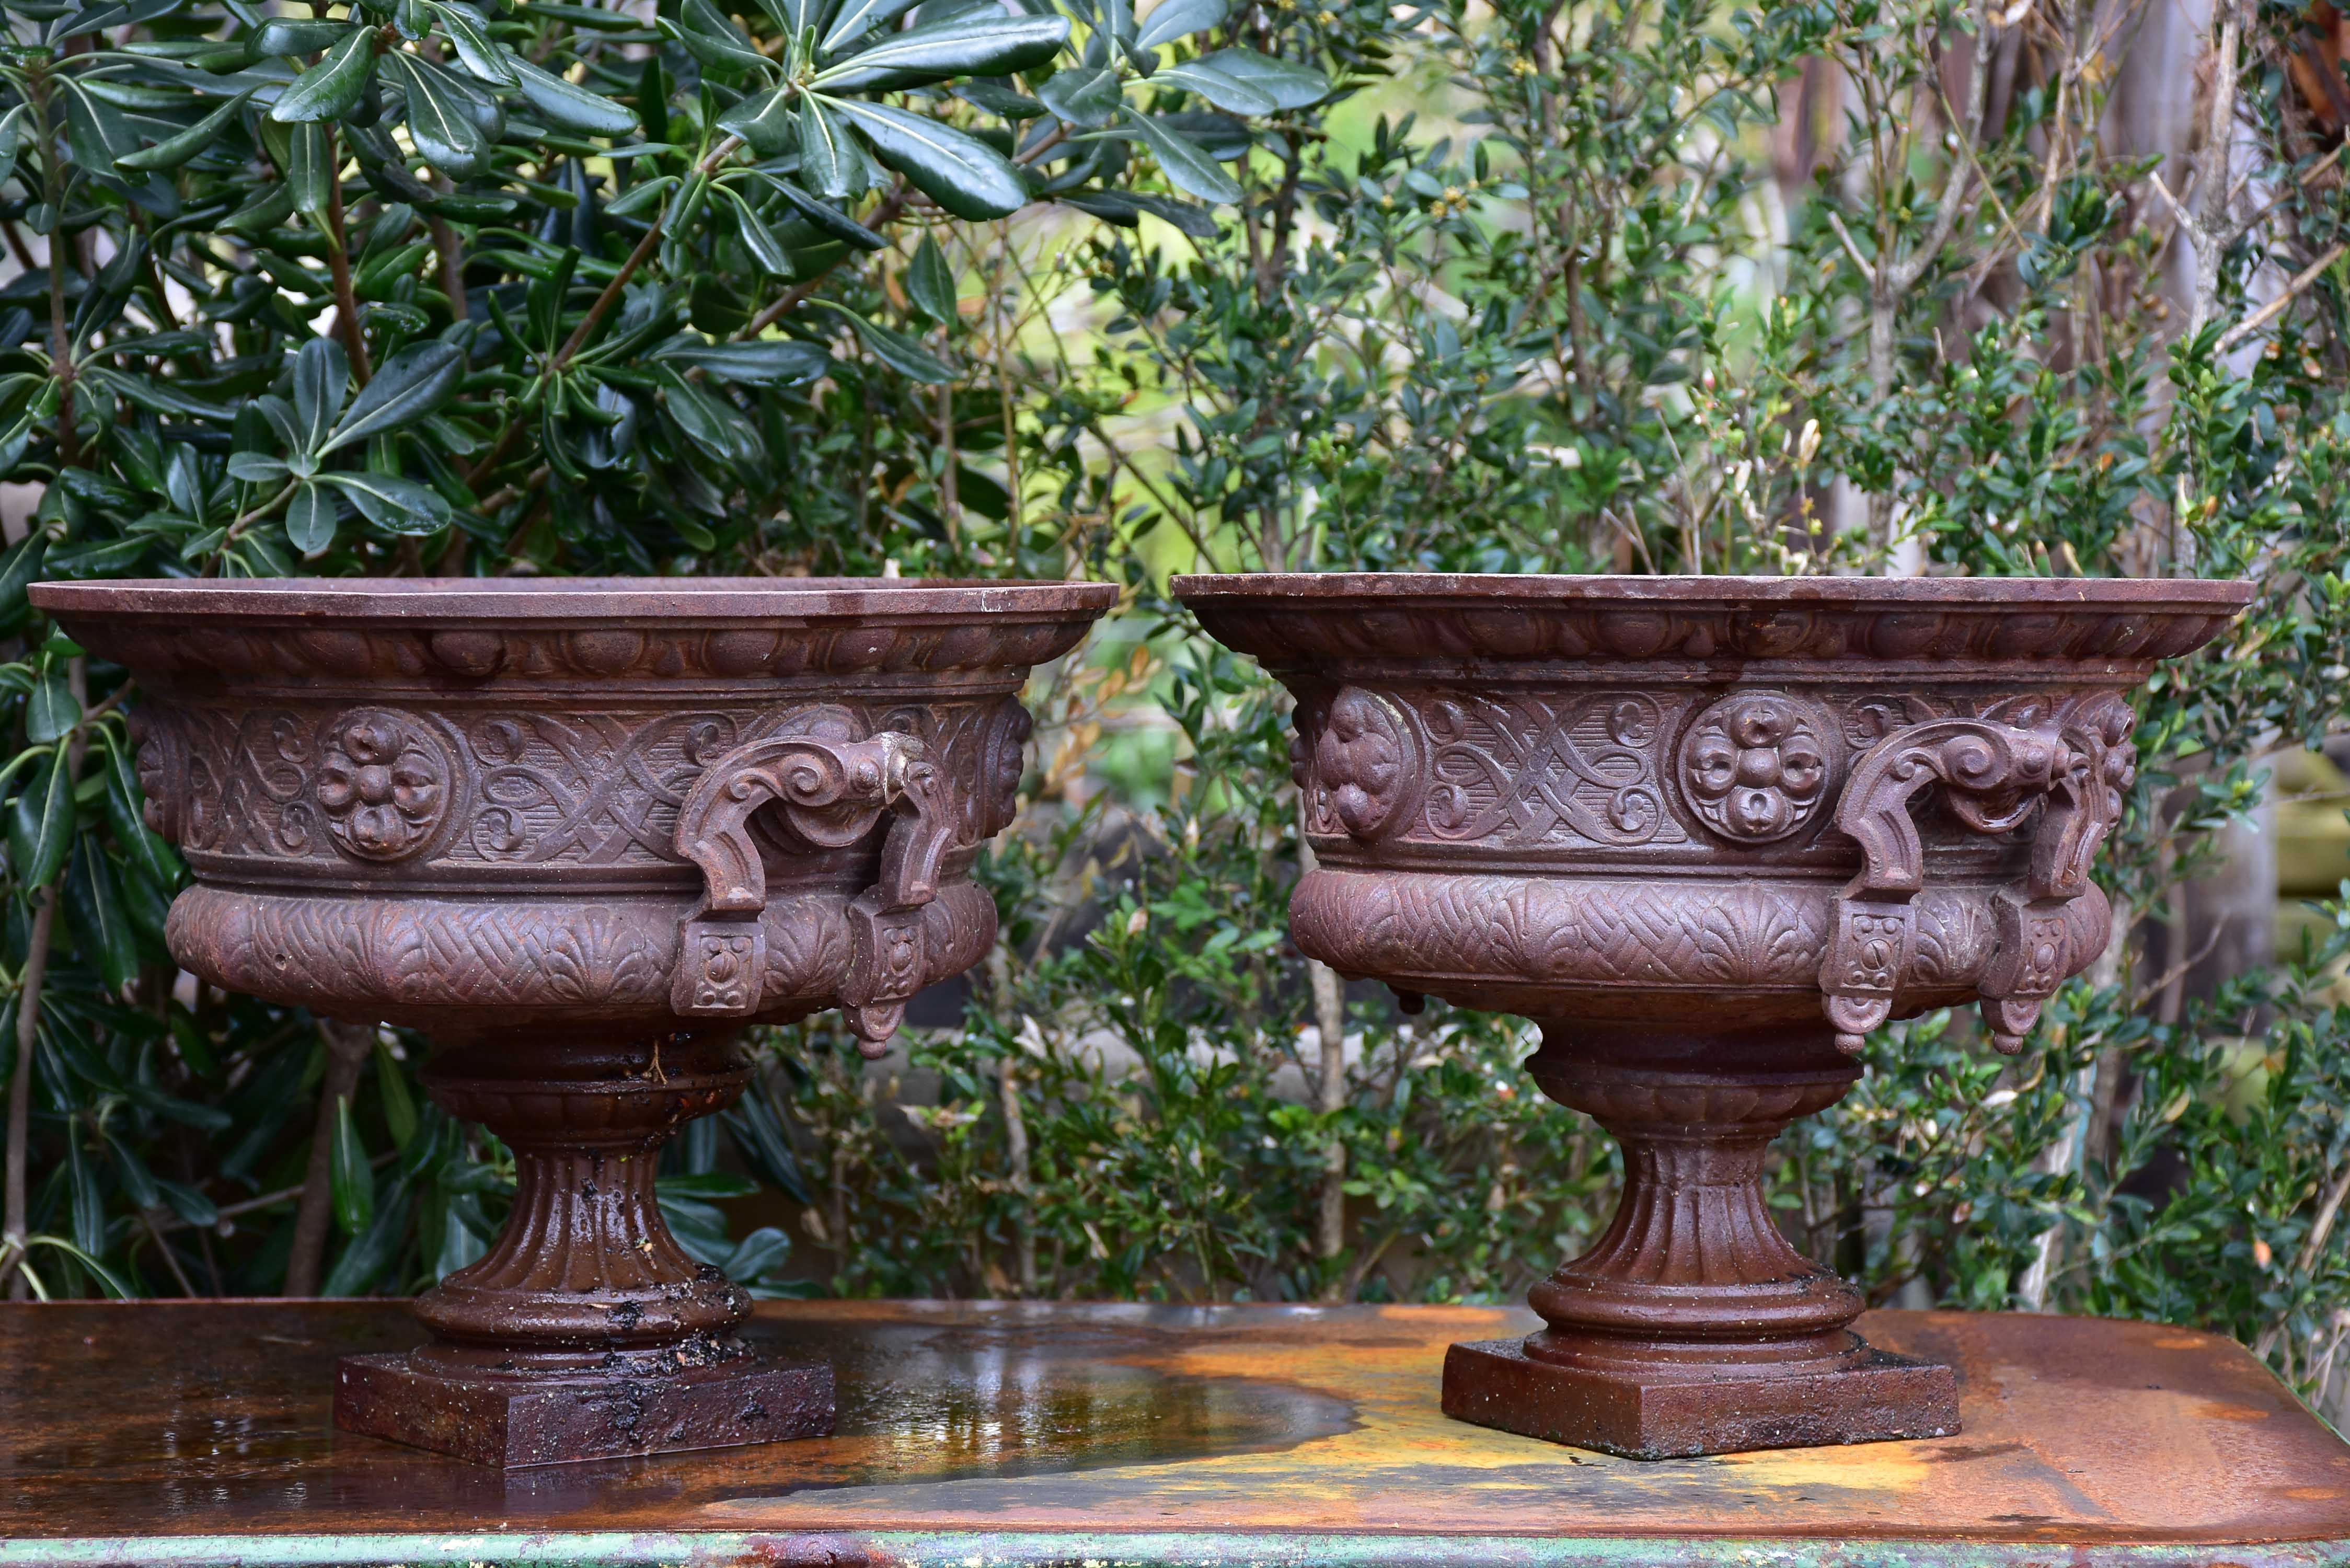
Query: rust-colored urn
<point x="1707" y="832"/>
<point x="581" y="832"/>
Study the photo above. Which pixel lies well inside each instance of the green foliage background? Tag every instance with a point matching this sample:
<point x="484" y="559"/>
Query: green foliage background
<point x="1012" y="290"/>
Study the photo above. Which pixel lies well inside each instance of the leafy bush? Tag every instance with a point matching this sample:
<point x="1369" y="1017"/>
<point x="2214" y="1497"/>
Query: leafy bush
<point x="1593" y="285"/>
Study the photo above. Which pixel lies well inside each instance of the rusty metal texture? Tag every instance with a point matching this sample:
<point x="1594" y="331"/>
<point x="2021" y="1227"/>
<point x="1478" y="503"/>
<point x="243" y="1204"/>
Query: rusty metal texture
<point x="581" y="832"/>
<point x="1707" y="832"/>
<point x="197" y="1434"/>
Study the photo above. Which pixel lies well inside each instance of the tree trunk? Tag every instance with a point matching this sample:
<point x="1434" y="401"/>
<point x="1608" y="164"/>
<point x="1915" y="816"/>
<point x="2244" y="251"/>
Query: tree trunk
<point x="1330" y="1093"/>
<point x="348" y="1046"/>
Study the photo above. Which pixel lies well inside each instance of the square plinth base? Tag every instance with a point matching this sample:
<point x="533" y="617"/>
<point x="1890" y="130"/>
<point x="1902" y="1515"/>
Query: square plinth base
<point x="511" y="1422"/>
<point x="1671" y="1414"/>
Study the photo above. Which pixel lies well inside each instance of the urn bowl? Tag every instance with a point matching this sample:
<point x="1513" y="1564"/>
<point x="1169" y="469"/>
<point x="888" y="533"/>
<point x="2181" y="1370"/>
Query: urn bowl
<point x="455" y="805"/>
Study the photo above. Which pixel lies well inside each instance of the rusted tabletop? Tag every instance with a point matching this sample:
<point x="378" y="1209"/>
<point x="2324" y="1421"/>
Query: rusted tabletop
<point x="977" y="1435"/>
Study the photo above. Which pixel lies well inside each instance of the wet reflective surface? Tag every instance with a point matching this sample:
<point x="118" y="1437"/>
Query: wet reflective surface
<point x="208" y="1422"/>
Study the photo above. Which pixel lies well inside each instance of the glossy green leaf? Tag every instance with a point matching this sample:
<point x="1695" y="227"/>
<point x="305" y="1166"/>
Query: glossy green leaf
<point x="768" y="362"/>
<point x="130" y="1172"/>
<point x="41" y="822"/>
<point x="758" y="240"/>
<point x="1000" y="100"/>
<point x="995" y="46"/>
<point x="1226" y="92"/>
<point x="321" y="381"/>
<point x="393" y="1093"/>
<point x="256" y="468"/>
<point x="80" y="22"/>
<point x="188" y="1203"/>
<point x="94" y="903"/>
<point x="438" y="121"/>
<point x="767" y="1147"/>
<point x="797" y="16"/>
<point x="834" y="223"/>
<point x="310" y="169"/>
<point x="485" y="109"/>
<point x="1127" y="208"/>
<point x="20" y="567"/>
<point x="960" y="173"/>
<point x="1288" y="84"/>
<point x="141" y="846"/>
<point x="569" y="107"/>
<point x="767" y="120"/>
<point x="87" y="1203"/>
<point x="149" y="908"/>
<point x="469" y="35"/>
<point x="411" y="384"/>
<point x="310" y="520"/>
<point x="832" y="163"/>
<point x="330" y="89"/>
<point x="930" y="282"/>
<point x="376" y="1250"/>
<point x="50" y="709"/>
<point x="297" y="35"/>
<point x="108" y="1280"/>
<point x="12" y="138"/>
<point x="859" y="17"/>
<point x="394" y="505"/>
<point x="761" y="1252"/>
<point x="264" y="210"/>
<point x="98" y="132"/>
<point x="1187" y="166"/>
<point x="643" y="196"/>
<point x="710" y="422"/>
<point x="351" y="1178"/>
<point x="1089" y="96"/>
<point x="900" y="352"/>
<point x="173" y="151"/>
<point x="714" y="39"/>
<point x="1173" y="19"/>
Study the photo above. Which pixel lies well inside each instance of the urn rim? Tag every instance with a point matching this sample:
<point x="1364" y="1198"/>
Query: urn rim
<point x="2189" y="594"/>
<point x="515" y="601"/>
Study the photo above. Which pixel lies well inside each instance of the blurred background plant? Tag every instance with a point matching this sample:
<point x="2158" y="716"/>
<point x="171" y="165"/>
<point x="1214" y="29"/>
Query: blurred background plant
<point x="991" y="288"/>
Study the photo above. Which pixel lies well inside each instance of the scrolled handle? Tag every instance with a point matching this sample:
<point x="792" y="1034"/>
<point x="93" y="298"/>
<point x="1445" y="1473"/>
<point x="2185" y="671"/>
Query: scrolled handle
<point x="2070" y="768"/>
<point x="830" y="794"/>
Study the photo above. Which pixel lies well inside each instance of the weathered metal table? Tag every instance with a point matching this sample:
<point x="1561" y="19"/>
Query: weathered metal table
<point x="973" y="1436"/>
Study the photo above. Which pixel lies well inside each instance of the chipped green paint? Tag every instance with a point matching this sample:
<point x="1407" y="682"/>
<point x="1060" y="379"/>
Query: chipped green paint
<point x="1072" y="1548"/>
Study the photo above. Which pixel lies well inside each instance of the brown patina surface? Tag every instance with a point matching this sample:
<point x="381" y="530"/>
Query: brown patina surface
<point x="580" y="831"/>
<point x="1708" y="832"/>
<point x="203" y="1430"/>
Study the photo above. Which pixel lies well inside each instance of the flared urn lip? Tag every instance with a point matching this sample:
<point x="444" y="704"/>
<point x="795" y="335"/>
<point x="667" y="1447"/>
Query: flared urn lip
<point x="515" y="601"/>
<point x="1674" y="628"/>
<point x="2198" y="594"/>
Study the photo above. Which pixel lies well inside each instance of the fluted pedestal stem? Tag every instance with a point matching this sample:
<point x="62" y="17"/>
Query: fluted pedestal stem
<point x="586" y="1266"/>
<point x="586" y="1330"/>
<point x="1693" y="1326"/>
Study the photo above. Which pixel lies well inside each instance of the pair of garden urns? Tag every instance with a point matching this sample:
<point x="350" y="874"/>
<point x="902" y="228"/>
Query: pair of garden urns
<point x="1708" y="832"/>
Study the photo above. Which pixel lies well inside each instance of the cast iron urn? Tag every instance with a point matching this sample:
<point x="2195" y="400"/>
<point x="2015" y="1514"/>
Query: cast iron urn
<point x="1708" y="832"/>
<point x="581" y="832"/>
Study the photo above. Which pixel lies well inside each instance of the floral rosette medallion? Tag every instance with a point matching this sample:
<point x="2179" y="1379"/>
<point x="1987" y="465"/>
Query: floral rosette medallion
<point x="1707" y="832"/>
<point x="581" y="832"/>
